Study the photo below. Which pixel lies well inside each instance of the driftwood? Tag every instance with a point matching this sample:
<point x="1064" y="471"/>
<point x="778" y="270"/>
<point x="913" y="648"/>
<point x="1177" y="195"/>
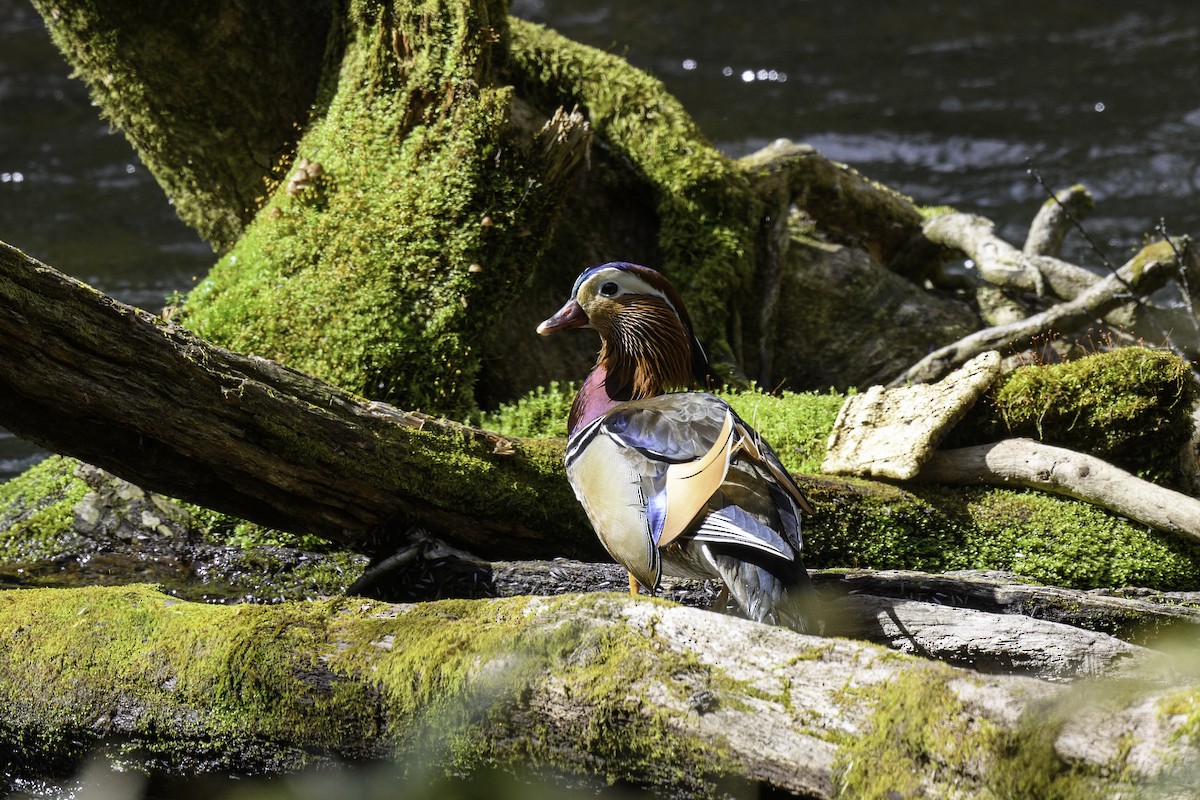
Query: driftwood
<point x="1146" y="272"/>
<point x="1024" y="462"/>
<point x="890" y="433"/>
<point x="641" y="691"/>
<point x="977" y="621"/>
<point x="1054" y="221"/>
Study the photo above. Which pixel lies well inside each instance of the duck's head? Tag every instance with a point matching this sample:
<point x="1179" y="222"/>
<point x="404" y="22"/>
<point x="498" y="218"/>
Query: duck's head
<point x="647" y="342"/>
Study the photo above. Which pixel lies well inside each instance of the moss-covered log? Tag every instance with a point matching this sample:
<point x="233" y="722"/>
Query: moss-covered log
<point x="1130" y="406"/>
<point x="94" y="378"/>
<point x="637" y="690"/>
<point x="145" y="399"/>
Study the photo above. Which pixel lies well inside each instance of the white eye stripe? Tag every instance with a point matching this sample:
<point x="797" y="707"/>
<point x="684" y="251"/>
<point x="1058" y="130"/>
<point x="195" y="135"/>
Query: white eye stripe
<point x="627" y="283"/>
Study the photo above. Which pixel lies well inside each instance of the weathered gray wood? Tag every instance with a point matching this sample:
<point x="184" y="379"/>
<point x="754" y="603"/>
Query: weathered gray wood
<point x="1138" y="616"/>
<point x="969" y="620"/>
<point x="1144" y="273"/>
<point x="1025" y="462"/>
<point x="890" y="433"/>
<point x="1055" y="219"/>
<point x="674" y="697"/>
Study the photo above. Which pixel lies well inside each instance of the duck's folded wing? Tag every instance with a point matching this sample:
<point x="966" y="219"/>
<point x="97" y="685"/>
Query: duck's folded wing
<point x="687" y="442"/>
<point x="733" y="526"/>
<point x="684" y="445"/>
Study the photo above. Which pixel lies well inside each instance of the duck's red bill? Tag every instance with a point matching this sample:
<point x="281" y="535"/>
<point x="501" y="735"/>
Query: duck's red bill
<point x="569" y="316"/>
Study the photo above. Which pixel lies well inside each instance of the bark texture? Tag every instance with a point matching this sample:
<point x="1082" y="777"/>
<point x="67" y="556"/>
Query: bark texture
<point x="1023" y="462"/>
<point x="660" y="695"/>
<point x="116" y="386"/>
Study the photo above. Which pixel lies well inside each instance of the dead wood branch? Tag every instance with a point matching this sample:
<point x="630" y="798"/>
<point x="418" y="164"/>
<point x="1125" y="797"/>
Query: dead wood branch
<point x="1143" y="617"/>
<point x="1145" y="272"/>
<point x="969" y="620"/>
<point x="1025" y="462"/>
<point x="1055" y="219"/>
<point x="1003" y="265"/>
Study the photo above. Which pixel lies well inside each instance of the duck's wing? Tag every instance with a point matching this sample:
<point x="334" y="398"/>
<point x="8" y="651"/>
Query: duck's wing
<point x="697" y="459"/>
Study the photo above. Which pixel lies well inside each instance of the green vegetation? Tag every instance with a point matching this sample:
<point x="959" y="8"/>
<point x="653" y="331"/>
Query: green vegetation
<point x="1131" y="406"/>
<point x="443" y="679"/>
<point x="1048" y="539"/>
<point x="540" y="413"/>
<point x="39" y="507"/>
<point x="921" y="733"/>
<point x="392" y="305"/>
<point x="233" y="671"/>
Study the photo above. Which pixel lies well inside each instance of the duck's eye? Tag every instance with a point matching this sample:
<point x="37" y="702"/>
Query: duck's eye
<point x="608" y="289"/>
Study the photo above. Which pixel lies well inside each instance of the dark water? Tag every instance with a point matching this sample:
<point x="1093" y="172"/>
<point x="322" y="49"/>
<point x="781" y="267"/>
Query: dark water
<point x="945" y="101"/>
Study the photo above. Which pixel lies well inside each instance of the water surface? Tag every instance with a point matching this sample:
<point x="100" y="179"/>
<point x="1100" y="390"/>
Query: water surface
<point x="948" y="102"/>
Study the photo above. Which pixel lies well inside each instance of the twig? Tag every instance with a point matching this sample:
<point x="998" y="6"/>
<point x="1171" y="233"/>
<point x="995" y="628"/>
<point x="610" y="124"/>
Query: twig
<point x="1147" y="271"/>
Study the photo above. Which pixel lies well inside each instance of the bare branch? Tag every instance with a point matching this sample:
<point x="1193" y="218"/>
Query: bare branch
<point x="1002" y="264"/>
<point x="1024" y="462"/>
<point x="1147" y="271"/>
<point x="1055" y="219"/>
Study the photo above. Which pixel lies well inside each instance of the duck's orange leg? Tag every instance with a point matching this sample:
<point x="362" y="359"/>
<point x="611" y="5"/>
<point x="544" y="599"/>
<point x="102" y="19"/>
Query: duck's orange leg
<point x="634" y="586"/>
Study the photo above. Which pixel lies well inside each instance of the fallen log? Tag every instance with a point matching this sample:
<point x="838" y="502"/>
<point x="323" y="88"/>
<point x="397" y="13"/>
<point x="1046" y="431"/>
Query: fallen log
<point x="642" y="691"/>
<point x="968" y="620"/>
<point x="1025" y="462"/>
<point x="87" y="376"/>
<point x="1138" y="616"/>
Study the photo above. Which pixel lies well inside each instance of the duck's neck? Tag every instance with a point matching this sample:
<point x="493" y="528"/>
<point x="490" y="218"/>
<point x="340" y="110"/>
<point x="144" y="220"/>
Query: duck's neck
<point x="598" y="395"/>
<point x="641" y="356"/>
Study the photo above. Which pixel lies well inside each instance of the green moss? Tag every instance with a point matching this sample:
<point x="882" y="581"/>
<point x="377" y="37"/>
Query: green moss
<point x="233" y="671"/>
<point x="1184" y="703"/>
<point x="1068" y="543"/>
<point x="707" y="212"/>
<point x="39" y="507"/>
<point x="795" y="424"/>
<point x="922" y="741"/>
<point x="446" y="682"/>
<point x="379" y="275"/>
<point x="540" y="413"/>
<point x="227" y="530"/>
<point x="485" y="652"/>
<point x="1130" y="406"/>
<point x="1050" y="539"/>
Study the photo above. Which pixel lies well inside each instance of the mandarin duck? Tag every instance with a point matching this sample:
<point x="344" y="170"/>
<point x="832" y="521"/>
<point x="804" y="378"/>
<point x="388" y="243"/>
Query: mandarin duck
<point x="676" y="483"/>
